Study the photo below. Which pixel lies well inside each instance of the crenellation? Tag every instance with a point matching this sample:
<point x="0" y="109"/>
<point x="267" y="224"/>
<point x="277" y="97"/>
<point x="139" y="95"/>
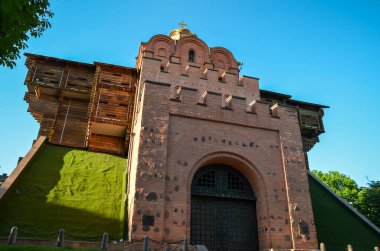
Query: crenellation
<point x="175" y="93"/>
<point x="274" y="110"/>
<point x="254" y="107"/>
<point x="227" y="101"/>
<point x="175" y="60"/>
<point x="194" y="71"/>
<point x="230" y="78"/>
<point x="165" y="67"/>
<point x="204" y="74"/>
<point x="251" y="107"/>
<point x="202" y="98"/>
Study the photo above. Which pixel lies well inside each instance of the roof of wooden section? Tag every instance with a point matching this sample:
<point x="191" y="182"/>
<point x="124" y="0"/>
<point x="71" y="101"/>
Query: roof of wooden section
<point x="65" y="61"/>
<point x="117" y="67"/>
<point x="57" y="60"/>
<point x="289" y="101"/>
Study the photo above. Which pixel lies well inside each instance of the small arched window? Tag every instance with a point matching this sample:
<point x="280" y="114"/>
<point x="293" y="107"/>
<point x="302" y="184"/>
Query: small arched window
<point x="191" y="56"/>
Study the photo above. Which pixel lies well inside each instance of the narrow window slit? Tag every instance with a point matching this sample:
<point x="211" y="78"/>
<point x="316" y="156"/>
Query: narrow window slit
<point x="191" y="56"/>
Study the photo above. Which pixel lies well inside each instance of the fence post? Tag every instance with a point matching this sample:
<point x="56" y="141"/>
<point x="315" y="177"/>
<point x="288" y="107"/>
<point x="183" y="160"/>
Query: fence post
<point x="322" y="246"/>
<point x="12" y="236"/>
<point x="104" y="244"/>
<point x="185" y="245"/>
<point x="146" y="244"/>
<point x="350" y="248"/>
<point x="376" y="248"/>
<point x="61" y="238"/>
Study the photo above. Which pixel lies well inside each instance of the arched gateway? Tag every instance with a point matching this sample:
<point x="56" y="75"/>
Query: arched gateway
<point x="223" y="210"/>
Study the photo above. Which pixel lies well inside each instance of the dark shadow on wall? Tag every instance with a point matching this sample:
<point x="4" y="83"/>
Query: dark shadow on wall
<point x="38" y="213"/>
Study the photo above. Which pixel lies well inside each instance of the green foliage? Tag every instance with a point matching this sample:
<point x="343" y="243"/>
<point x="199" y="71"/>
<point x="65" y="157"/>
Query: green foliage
<point x="341" y="184"/>
<point x="18" y="18"/>
<point x="77" y="190"/>
<point x="369" y="199"/>
<point x="365" y="199"/>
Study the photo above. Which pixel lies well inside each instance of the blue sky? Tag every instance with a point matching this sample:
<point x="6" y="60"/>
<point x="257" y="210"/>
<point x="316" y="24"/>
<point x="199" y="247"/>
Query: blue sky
<point x="319" y="51"/>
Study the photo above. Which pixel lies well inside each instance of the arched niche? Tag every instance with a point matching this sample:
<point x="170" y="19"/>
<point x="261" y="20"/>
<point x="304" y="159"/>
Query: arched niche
<point x="224" y="60"/>
<point x="195" y="45"/>
<point x="161" y="46"/>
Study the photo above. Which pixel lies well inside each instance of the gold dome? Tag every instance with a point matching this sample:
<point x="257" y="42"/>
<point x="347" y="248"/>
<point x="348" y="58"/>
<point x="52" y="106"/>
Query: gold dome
<point x="180" y="32"/>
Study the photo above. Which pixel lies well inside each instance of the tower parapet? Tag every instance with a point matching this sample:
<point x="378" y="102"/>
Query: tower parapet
<point x="194" y="110"/>
<point x="187" y="61"/>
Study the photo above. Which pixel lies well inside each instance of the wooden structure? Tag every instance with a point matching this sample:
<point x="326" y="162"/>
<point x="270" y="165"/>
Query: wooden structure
<point x="309" y="116"/>
<point x="81" y="105"/>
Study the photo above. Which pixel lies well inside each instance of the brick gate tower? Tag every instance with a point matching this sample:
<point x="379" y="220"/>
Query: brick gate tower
<point x="212" y="157"/>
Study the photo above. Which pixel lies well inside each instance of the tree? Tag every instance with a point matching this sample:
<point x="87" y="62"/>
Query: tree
<point x="341" y="184"/>
<point x="369" y="199"/>
<point x="2" y="177"/>
<point x="18" y="20"/>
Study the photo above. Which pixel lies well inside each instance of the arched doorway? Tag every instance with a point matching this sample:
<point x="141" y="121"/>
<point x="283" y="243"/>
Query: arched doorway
<point x="223" y="210"/>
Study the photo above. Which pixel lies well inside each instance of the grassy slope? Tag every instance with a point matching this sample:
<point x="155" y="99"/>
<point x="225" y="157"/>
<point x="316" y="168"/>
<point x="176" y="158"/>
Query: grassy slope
<point x="79" y="191"/>
<point x="39" y="248"/>
<point x="336" y="225"/>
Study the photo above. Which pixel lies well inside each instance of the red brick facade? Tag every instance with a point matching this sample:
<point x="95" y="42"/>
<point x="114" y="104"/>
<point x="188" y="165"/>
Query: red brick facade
<point x="190" y="113"/>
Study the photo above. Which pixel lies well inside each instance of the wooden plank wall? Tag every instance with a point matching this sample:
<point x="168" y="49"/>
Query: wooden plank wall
<point x="309" y="119"/>
<point x="47" y="75"/>
<point x="104" y="143"/>
<point x="113" y="105"/>
<point x="115" y="78"/>
<point x="44" y="110"/>
<point x="38" y="106"/>
<point x="71" y="123"/>
<point x="79" y="79"/>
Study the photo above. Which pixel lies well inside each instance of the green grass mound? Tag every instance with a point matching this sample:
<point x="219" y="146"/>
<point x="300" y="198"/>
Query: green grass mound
<point x="336" y="225"/>
<point x="39" y="248"/>
<point x="77" y="190"/>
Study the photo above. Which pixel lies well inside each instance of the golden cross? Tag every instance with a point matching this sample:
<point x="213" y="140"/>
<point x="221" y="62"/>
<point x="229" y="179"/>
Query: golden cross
<point x="182" y="24"/>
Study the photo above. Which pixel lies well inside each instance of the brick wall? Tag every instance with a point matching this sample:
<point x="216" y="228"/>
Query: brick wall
<point x="177" y="131"/>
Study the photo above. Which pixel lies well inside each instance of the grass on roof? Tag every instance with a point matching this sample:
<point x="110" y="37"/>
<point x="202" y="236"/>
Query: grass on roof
<point x="336" y="225"/>
<point x="79" y="191"/>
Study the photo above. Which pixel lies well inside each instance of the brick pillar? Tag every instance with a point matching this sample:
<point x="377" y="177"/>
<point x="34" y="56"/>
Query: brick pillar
<point x="303" y="233"/>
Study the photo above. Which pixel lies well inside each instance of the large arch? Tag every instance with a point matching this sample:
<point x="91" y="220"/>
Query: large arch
<point x="249" y="171"/>
<point x="223" y="210"/>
